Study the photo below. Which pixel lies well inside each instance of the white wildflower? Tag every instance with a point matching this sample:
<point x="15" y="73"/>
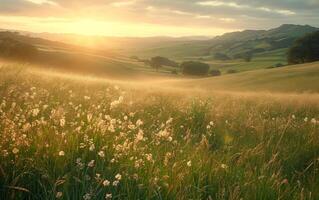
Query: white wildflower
<point x="35" y="112"/>
<point x="61" y="153"/>
<point x="62" y="122"/>
<point x="15" y="151"/>
<point x="91" y="163"/>
<point x="87" y="196"/>
<point x="108" y="196"/>
<point x="58" y="195"/>
<point x="118" y="176"/>
<point x="313" y="121"/>
<point x="101" y="154"/>
<point x="106" y="183"/>
<point x="224" y="166"/>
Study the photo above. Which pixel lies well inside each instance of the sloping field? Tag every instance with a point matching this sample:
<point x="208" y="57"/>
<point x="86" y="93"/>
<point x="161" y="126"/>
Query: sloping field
<point x="297" y="78"/>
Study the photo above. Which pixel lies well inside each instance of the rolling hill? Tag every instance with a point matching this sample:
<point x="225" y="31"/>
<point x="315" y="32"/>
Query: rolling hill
<point x="294" y="78"/>
<point x="268" y="48"/>
<point x="233" y="44"/>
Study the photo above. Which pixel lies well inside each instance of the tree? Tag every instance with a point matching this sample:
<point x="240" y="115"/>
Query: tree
<point x="162" y="61"/>
<point x="305" y="49"/>
<point x="195" y="68"/>
<point x="231" y="71"/>
<point x="248" y="56"/>
<point x="215" y="72"/>
<point x="221" y="56"/>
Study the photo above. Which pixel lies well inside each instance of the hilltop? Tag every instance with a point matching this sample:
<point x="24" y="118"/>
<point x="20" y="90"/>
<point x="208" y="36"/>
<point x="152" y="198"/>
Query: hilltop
<point x="235" y="43"/>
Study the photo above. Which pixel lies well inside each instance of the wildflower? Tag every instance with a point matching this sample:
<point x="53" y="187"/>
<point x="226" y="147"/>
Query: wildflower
<point x="15" y="151"/>
<point x="189" y="163"/>
<point x="139" y="122"/>
<point x="293" y="117"/>
<point x="89" y="117"/>
<point x="61" y="153"/>
<point x="87" y="196"/>
<point x="118" y="176"/>
<point x="170" y="120"/>
<point x="115" y="183"/>
<point x="108" y="196"/>
<point x="224" y="166"/>
<point x="106" y="183"/>
<point x="285" y="181"/>
<point x="149" y="157"/>
<point x="313" y="121"/>
<point x="101" y="154"/>
<point x="139" y="136"/>
<point x="91" y="163"/>
<point x="58" y="195"/>
<point x="208" y="126"/>
<point x="62" y="122"/>
<point x="211" y="123"/>
<point x="35" y="112"/>
<point x="92" y="147"/>
<point x="305" y="119"/>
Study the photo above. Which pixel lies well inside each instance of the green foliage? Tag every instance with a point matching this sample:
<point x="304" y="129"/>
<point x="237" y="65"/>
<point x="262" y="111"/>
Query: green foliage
<point x="231" y="71"/>
<point x="215" y="72"/>
<point x="159" y="61"/>
<point x="195" y="68"/>
<point x="221" y="56"/>
<point x="305" y="49"/>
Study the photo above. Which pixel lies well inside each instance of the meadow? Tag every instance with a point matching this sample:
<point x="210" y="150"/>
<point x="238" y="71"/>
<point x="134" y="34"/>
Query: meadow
<point x="71" y="137"/>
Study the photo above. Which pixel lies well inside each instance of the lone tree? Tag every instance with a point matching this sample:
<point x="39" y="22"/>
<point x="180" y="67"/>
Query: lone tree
<point x="195" y="68"/>
<point x="159" y="61"/>
<point x="215" y="72"/>
<point x="221" y="56"/>
<point x="305" y="49"/>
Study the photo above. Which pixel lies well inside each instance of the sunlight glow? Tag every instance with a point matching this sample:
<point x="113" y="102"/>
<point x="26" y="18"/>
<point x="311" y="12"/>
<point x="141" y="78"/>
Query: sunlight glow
<point x="98" y="27"/>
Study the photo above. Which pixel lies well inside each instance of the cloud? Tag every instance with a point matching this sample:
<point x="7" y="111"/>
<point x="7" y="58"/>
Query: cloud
<point x="123" y="3"/>
<point x="40" y="2"/>
<point x="222" y="14"/>
<point x="221" y="3"/>
<point x="243" y="6"/>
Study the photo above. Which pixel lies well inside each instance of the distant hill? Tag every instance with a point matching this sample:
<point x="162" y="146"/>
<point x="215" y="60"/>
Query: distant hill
<point x="235" y="43"/>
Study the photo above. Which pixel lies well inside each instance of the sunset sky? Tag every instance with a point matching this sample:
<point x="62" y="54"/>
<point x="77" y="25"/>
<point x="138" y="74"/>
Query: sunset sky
<point x="154" y="17"/>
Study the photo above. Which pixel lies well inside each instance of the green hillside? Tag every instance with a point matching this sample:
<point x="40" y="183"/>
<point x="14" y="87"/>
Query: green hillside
<point x="297" y="78"/>
<point x="232" y="44"/>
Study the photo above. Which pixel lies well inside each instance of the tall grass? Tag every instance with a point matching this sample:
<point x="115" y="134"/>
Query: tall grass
<point x="73" y="139"/>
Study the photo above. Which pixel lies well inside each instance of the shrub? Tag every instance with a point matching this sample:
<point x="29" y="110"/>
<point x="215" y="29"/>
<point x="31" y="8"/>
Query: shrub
<point x="215" y="72"/>
<point x="305" y="49"/>
<point x="279" y="65"/>
<point x="231" y="71"/>
<point x="195" y="68"/>
<point x="221" y="56"/>
<point x="174" y="71"/>
<point x="162" y="61"/>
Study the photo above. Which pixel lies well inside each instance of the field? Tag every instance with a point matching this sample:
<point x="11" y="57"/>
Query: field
<point x="291" y="79"/>
<point x="73" y="137"/>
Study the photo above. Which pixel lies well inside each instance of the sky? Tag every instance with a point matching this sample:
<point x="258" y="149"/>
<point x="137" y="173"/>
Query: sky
<point x="154" y="17"/>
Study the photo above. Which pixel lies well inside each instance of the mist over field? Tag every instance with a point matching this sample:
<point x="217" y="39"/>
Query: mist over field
<point x="214" y="100"/>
